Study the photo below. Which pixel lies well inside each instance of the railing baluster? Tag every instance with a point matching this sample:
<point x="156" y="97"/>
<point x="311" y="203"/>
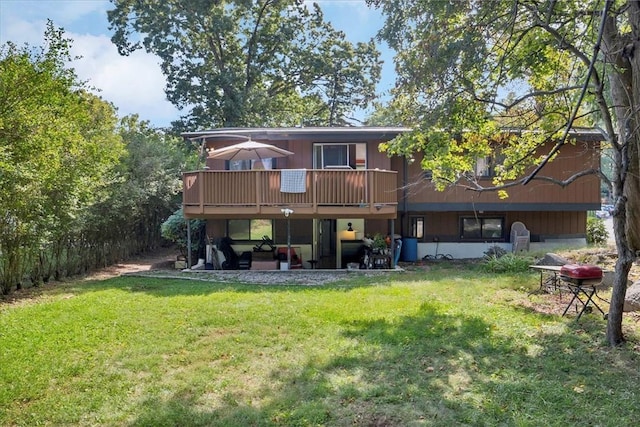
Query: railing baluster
<point x="208" y="190"/>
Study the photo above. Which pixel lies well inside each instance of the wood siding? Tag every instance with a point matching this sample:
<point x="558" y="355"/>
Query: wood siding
<point x="572" y="158"/>
<point x="543" y="225"/>
<point x="302" y="156"/>
<point x="390" y="189"/>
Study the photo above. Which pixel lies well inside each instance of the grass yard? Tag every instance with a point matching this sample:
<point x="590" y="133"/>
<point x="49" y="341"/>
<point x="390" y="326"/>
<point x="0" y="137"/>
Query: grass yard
<point x="451" y="346"/>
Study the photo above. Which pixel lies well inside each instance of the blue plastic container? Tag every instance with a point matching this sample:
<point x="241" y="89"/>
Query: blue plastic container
<point x="409" y="249"/>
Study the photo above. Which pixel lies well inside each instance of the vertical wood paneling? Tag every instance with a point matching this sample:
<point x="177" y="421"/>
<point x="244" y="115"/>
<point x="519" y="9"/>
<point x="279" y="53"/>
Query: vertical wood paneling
<point x="446" y="225"/>
<point x="572" y="158"/>
<point x="548" y="223"/>
<point x="216" y="228"/>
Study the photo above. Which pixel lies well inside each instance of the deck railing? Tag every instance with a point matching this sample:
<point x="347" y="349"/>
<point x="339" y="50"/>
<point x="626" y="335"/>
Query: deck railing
<point x="208" y="192"/>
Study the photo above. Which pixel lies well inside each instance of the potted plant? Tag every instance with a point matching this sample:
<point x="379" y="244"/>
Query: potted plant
<point x="379" y="243"/>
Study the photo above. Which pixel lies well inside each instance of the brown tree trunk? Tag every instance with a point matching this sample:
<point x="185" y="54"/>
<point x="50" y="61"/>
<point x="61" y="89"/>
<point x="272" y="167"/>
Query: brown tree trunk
<point x="624" y="86"/>
<point x="623" y="265"/>
<point x="631" y="157"/>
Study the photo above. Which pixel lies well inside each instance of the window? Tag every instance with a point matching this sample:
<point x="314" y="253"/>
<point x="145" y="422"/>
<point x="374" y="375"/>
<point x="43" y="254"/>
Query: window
<point x="249" y="229"/>
<point x="483" y="167"/>
<point x="482" y="228"/>
<point x="332" y="156"/>
<point x="486" y="166"/>
<point x="243" y="165"/>
<point x="417" y="227"/>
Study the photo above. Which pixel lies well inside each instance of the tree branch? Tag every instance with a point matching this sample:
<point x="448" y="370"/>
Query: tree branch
<point x="475" y="186"/>
<point x="529" y="95"/>
<point x="590" y="73"/>
<point x="251" y="46"/>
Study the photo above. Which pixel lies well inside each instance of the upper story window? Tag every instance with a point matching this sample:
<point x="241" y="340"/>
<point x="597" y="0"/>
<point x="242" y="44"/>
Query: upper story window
<point x="243" y="165"/>
<point x="340" y="155"/>
<point x="486" y="166"/>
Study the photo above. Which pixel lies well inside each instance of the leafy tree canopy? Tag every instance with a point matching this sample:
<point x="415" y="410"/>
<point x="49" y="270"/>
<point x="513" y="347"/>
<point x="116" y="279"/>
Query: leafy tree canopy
<point x="56" y="140"/>
<point x="145" y="185"/>
<point x="250" y="63"/>
<point x="468" y="69"/>
<point x="57" y="144"/>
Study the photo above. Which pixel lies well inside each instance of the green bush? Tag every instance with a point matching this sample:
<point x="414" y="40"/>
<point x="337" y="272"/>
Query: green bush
<point x="495" y="251"/>
<point x="508" y="263"/>
<point x="174" y="229"/>
<point x="597" y="233"/>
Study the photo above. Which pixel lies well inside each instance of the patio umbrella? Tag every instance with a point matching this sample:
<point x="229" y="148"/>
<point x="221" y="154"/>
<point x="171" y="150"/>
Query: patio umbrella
<point x="249" y="150"/>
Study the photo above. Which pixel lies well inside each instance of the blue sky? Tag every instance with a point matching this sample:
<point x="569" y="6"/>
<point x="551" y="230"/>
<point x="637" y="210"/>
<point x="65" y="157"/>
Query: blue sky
<point x="134" y="84"/>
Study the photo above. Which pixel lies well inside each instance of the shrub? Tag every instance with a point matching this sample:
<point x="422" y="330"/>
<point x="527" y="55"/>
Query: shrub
<point x="495" y="251"/>
<point x="174" y="229"/>
<point x="508" y="263"/>
<point x="597" y="233"/>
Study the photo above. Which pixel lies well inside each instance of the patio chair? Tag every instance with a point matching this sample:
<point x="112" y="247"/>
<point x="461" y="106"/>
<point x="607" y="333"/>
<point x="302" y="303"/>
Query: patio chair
<point x="266" y="240"/>
<point x="520" y="237"/>
<point x="296" y="260"/>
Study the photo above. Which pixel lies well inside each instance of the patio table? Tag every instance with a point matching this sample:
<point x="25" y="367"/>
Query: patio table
<point x="548" y="276"/>
<point x="582" y="293"/>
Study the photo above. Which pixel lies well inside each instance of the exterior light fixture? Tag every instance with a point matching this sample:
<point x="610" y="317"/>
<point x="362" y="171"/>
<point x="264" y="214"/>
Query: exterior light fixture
<point x="287" y="212"/>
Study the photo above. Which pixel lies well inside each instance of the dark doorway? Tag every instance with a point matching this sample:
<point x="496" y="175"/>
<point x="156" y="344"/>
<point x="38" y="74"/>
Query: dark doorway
<point x="327" y="243"/>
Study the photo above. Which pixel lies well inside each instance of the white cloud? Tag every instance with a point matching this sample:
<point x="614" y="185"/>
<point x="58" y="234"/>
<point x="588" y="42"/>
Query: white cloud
<point x="135" y="84"/>
<point x="61" y="12"/>
<point x="132" y="83"/>
<point x="69" y="12"/>
<point x="21" y="31"/>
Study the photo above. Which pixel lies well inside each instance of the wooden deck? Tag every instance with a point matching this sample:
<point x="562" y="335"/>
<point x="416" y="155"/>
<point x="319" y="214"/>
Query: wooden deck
<point x="258" y="194"/>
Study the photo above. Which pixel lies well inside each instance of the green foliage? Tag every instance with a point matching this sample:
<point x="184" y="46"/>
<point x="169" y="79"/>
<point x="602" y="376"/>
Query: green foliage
<point x="597" y="233"/>
<point x="508" y="263"/>
<point x="457" y="66"/>
<point x="174" y="229"/>
<point x="240" y="63"/>
<point x="57" y="146"/>
<point x="379" y="242"/>
<point x="495" y="251"/>
<point x="146" y="185"/>
<point x="77" y="189"/>
<point x="542" y="67"/>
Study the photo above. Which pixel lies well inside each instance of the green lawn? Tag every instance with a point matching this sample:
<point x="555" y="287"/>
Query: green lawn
<point x="446" y="347"/>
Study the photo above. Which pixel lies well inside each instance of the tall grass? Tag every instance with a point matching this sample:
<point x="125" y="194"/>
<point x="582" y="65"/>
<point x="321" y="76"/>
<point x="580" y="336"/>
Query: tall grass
<point x="507" y="263"/>
<point x="447" y="347"/>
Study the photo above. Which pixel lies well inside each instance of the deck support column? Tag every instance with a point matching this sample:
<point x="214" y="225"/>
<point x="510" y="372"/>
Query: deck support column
<point x="188" y="242"/>
<point x="392" y="225"/>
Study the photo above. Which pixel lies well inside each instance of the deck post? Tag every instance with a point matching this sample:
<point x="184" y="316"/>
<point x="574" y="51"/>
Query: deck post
<point x="201" y="185"/>
<point x="288" y="243"/>
<point x="188" y="242"/>
<point x="392" y="225"/>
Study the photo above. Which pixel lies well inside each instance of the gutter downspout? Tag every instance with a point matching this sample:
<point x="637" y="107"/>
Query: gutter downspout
<point x="405" y="174"/>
